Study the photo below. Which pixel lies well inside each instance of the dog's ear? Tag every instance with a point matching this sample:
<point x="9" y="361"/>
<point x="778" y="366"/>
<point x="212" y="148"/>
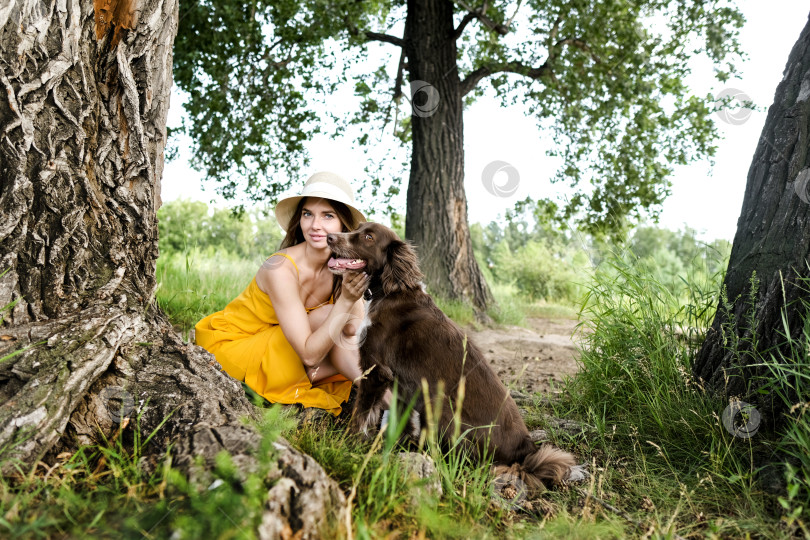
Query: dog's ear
<point x="402" y="269"/>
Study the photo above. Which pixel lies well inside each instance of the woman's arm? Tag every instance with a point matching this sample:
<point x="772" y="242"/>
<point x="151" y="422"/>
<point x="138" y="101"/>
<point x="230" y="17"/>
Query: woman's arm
<point x="280" y="282"/>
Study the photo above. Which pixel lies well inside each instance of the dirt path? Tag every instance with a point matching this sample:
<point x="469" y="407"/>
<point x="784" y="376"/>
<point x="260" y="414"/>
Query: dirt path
<point x="533" y="359"/>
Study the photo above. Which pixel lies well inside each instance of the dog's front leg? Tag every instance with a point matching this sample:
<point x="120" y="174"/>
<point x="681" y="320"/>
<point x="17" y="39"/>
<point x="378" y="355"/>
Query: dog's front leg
<point x="369" y="404"/>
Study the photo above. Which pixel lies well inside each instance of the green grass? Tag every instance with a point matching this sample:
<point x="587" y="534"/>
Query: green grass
<point x="656" y="442"/>
<point x="510" y="306"/>
<point x="100" y="491"/>
<point x="193" y="285"/>
<point x="653" y="440"/>
<point x="789" y="381"/>
<point x="385" y="499"/>
<point x="553" y="311"/>
<point x="657" y="436"/>
<point x="458" y="311"/>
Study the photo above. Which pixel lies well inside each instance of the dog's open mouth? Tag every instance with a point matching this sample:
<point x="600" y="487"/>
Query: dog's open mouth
<point x="339" y="265"/>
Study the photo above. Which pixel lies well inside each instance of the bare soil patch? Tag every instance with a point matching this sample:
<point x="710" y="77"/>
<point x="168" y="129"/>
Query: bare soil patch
<point x="533" y="359"/>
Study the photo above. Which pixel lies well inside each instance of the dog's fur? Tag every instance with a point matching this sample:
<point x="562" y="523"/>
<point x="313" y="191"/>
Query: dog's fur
<point x="408" y="339"/>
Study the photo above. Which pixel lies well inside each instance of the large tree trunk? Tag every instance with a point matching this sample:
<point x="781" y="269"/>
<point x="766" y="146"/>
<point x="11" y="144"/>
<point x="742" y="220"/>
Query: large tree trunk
<point x="85" y="92"/>
<point x="772" y="243"/>
<point x="436" y="218"/>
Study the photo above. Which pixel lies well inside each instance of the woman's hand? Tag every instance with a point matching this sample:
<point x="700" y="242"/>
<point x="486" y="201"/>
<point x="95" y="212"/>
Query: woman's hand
<point x="354" y="285"/>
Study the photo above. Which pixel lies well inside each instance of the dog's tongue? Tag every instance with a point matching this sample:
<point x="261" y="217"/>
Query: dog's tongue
<point x="350" y="264"/>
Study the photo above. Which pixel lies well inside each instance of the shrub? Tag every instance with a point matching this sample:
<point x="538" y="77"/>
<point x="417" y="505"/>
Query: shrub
<point x="185" y="225"/>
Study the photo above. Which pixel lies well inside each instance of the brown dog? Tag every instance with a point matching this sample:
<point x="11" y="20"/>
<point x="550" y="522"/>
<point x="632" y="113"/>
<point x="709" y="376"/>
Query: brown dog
<point x="408" y="339"/>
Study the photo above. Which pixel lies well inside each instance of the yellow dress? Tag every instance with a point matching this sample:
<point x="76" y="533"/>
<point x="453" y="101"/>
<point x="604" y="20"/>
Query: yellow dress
<point x="247" y="341"/>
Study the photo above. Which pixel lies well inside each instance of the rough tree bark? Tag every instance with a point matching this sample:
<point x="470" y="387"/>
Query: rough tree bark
<point x="85" y="92"/>
<point x="436" y="217"/>
<point x="772" y="243"/>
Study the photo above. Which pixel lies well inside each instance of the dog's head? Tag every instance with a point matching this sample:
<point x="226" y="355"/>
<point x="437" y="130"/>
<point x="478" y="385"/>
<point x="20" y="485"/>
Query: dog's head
<point x="378" y="251"/>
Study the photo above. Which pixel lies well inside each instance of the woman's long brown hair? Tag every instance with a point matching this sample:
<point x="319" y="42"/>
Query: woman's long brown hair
<point x="295" y="235"/>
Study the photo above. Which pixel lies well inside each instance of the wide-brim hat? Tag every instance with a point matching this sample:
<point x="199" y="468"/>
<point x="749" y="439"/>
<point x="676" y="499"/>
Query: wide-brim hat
<point x="322" y="185"/>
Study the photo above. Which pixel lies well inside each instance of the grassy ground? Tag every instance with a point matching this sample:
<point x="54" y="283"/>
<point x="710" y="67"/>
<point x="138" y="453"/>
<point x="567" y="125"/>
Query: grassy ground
<point x="658" y="442"/>
<point x="192" y="285"/>
<point x="663" y="465"/>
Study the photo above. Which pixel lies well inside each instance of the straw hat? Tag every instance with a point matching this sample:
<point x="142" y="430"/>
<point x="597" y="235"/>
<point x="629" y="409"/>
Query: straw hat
<point x="323" y="185"/>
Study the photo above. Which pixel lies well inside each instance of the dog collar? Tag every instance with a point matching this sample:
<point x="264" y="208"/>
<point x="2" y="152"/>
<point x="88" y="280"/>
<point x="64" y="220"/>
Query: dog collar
<point x="375" y="290"/>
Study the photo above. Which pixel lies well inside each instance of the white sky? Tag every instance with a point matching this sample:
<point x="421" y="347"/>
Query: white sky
<point x="704" y="198"/>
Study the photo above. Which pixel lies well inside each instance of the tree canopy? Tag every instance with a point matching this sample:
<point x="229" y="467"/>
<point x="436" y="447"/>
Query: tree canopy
<point x="606" y="81"/>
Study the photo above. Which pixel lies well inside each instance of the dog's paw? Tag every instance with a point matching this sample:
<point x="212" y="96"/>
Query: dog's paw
<point x="367" y="424"/>
<point x="415" y="425"/>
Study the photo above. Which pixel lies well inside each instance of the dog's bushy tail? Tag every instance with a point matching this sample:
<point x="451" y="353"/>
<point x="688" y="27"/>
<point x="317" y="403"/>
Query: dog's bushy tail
<point x="544" y="468"/>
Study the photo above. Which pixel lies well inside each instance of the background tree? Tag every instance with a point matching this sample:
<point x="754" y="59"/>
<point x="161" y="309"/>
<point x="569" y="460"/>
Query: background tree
<point x="606" y="79"/>
<point x="83" y="351"/>
<point x="187" y="225"/>
<point x="766" y="287"/>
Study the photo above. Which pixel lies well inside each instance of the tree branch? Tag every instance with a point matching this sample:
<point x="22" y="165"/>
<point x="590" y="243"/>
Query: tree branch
<point x="400" y="72"/>
<point x="480" y="14"/>
<point x="385" y="38"/>
<point x="554" y="47"/>
<point x="512" y="18"/>
<point x="271" y="65"/>
<point x="552" y="35"/>
<point x="464" y="22"/>
<point x="397" y="90"/>
<point x="579" y="44"/>
<point x="373" y="36"/>
<point x="472" y="80"/>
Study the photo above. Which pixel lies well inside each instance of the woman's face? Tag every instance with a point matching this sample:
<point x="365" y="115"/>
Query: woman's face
<point x="318" y="219"/>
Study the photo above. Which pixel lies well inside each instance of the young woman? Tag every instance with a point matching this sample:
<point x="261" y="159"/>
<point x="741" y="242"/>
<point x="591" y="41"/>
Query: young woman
<point x="289" y="335"/>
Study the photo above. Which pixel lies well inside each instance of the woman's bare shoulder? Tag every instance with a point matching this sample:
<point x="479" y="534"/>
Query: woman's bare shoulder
<point x="277" y="272"/>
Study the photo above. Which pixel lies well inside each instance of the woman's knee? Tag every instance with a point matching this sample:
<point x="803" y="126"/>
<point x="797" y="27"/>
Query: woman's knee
<point x="350" y="328"/>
